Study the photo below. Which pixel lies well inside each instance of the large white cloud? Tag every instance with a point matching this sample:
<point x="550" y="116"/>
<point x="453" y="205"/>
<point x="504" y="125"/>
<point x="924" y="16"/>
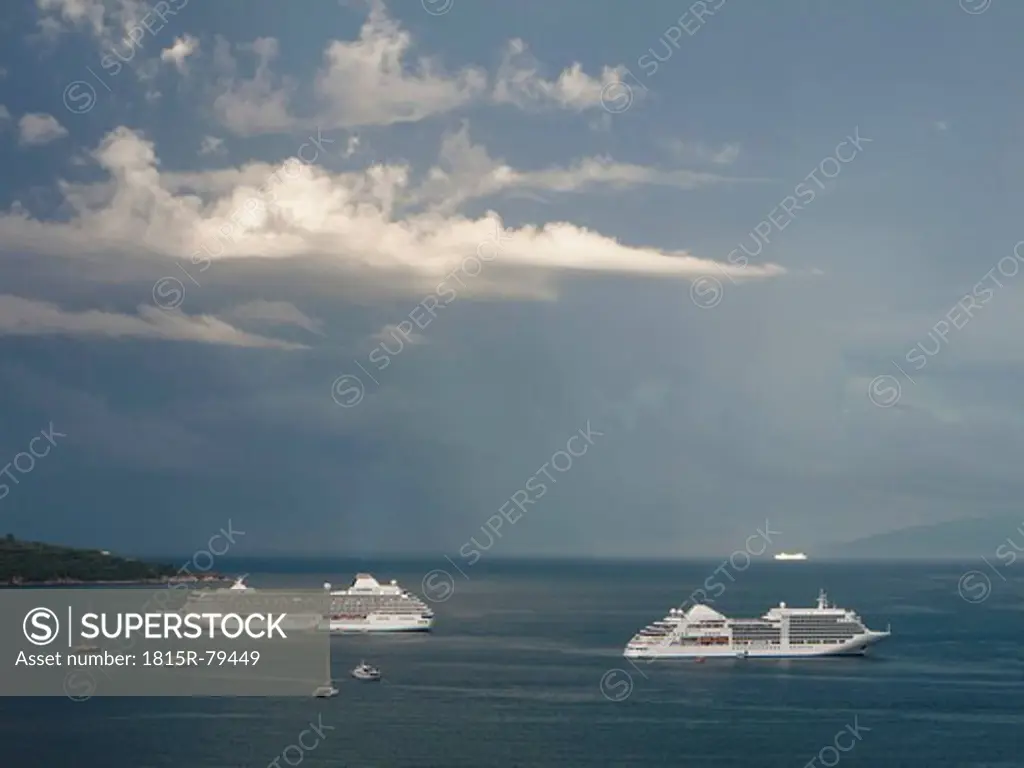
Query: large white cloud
<point x="369" y="221"/>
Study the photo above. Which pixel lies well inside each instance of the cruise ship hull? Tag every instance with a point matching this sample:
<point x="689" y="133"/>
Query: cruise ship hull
<point x="369" y="606"/>
<point x="381" y="624"/>
<point x="856" y="647"/>
<point x="781" y="633"/>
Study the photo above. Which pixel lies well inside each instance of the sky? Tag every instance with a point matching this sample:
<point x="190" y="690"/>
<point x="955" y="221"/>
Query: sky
<point x="353" y="276"/>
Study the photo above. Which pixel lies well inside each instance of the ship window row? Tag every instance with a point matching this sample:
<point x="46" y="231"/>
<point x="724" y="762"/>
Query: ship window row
<point x="376" y="609"/>
<point x="847" y="631"/>
<point x="817" y="642"/>
<point x="794" y="620"/>
<point x="818" y="624"/>
<point x="377" y="598"/>
<point x="821" y="623"/>
<point x="702" y="641"/>
<point x="822" y="631"/>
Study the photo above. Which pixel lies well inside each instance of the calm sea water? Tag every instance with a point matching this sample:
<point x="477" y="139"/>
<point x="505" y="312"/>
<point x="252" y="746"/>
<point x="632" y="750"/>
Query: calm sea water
<point x="512" y="675"/>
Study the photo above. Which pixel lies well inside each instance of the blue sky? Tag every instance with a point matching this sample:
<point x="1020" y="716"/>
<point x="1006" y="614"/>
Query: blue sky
<point x="195" y="291"/>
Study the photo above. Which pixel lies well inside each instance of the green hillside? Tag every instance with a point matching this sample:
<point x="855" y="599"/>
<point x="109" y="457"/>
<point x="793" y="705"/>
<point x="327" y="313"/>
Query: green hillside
<point x="32" y="562"/>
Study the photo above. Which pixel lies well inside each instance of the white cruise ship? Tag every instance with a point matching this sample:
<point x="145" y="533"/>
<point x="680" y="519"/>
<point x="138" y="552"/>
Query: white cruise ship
<point x="781" y="633"/>
<point x="242" y="599"/>
<point x="369" y="606"/>
<point x="233" y="595"/>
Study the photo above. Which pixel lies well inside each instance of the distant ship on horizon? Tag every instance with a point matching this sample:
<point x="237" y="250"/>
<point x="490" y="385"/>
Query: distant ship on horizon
<point x="793" y="556"/>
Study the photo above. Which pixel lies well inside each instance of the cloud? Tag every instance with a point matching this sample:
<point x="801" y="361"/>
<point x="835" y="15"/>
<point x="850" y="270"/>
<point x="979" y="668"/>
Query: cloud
<point x="256" y="105"/>
<point x="37" y="129"/>
<point x="376" y="81"/>
<point x="183" y="48"/>
<point x="108" y="21"/>
<point x="60" y="15"/>
<point x="519" y="82"/>
<point x="123" y="31"/>
<point x="356" y="222"/>
<point x="275" y="313"/>
<point x="726" y="155"/>
<point x="698" y="152"/>
<point x="4" y="114"/>
<point x="211" y="145"/>
<point x="365" y="81"/>
<point x="467" y="171"/>
<point x="26" y="317"/>
<point x="393" y="333"/>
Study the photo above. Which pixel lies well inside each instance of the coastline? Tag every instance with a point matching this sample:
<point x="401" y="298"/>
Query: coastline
<point x="206" y="579"/>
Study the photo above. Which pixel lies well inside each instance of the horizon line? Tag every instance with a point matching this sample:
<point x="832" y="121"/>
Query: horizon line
<point x="660" y="559"/>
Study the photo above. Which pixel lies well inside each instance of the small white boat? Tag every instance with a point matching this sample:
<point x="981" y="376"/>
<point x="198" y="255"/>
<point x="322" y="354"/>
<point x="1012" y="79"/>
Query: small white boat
<point x="366" y="672"/>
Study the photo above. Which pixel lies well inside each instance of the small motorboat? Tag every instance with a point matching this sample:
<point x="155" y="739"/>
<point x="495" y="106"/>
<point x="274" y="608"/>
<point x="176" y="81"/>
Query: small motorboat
<point x="699" y="660"/>
<point x="366" y="672"/>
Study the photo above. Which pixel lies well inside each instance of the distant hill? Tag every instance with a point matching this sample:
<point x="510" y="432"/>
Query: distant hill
<point x="33" y="562"/>
<point x="957" y="539"/>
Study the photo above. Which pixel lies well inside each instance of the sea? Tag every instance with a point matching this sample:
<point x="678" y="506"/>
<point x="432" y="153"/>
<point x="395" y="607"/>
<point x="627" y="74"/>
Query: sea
<point x="525" y="668"/>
